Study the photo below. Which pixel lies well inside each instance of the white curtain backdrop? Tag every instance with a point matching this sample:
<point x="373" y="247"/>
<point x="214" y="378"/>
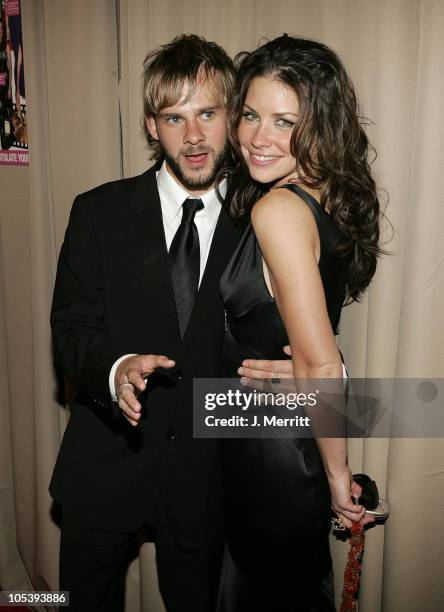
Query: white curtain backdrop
<point x="83" y="62"/>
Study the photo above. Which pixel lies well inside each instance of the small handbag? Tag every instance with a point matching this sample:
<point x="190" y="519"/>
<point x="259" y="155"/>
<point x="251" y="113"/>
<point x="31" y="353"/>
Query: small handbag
<point x="369" y="497"/>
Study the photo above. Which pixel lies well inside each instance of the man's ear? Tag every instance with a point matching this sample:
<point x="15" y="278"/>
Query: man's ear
<point x="152" y="127"/>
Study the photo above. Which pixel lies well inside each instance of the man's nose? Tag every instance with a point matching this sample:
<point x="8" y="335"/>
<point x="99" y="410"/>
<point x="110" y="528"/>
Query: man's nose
<point x="193" y="133"/>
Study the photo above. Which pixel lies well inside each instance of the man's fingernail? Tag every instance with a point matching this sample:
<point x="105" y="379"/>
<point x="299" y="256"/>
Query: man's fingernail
<point x="244" y="381"/>
<point x="245" y="363"/>
<point x="240" y="371"/>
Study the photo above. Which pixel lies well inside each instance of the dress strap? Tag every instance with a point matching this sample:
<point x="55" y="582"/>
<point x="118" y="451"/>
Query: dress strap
<point x="311" y="202"/>
<point x="329" y="232"/>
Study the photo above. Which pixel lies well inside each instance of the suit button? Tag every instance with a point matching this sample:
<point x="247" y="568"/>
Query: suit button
<point x="177" y="375"/>
<point x="170" y="435"/>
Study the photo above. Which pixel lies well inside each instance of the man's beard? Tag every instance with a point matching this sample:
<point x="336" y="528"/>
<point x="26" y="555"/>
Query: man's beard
<point x="200" y="182"/>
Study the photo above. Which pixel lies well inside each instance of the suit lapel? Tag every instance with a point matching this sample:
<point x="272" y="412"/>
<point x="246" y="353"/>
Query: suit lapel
<point x="225" y="239"/>
<point x="149" y="242"/>
<point x="150" y="250"/>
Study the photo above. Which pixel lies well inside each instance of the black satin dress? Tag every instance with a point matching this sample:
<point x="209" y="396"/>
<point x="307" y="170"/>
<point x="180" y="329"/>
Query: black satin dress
<point x="277" y="494"/>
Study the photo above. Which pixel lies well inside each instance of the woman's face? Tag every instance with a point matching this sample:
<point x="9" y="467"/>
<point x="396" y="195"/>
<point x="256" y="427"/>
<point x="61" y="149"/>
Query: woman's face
<point x="269" y="115"/>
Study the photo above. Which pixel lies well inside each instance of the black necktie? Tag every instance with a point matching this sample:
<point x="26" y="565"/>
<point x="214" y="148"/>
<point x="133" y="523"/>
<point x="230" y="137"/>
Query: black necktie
<point x="185" y="262"/>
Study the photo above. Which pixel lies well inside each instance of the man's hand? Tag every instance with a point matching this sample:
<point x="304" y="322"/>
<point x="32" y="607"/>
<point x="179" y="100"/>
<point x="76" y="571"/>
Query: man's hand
<point x="265" y="368"/>
<point x="129" y="382"/>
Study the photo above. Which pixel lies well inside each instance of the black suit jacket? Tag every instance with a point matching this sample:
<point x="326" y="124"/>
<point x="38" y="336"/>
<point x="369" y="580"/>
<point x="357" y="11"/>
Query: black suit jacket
<point x="113" y="295"/>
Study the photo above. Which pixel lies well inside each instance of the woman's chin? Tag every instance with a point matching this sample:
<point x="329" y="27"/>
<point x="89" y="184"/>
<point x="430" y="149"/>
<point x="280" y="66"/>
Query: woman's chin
<point x="262" y="175"/>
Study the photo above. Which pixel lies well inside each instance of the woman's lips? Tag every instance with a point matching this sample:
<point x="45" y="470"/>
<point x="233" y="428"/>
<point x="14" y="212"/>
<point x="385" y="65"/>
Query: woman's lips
<point x="263" y="160"/>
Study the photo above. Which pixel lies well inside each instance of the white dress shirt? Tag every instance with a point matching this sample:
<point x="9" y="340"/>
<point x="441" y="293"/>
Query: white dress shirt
<point x="172" y="196"/>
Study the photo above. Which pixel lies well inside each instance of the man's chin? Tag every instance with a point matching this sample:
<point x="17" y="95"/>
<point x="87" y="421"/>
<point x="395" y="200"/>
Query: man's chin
<point x="195" y="179"/>
<point x="192" y="180"/>
<point x="198" y="179"/>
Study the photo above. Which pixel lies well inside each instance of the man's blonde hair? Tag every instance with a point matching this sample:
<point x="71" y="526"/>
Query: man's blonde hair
<point x="180" y="66"/>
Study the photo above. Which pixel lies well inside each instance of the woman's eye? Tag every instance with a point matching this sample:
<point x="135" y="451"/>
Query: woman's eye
<point x="284" y="123"/>
<point x="249" y="116"/>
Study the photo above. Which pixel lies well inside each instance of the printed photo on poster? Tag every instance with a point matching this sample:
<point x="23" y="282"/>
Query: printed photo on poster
<point x="13" y="130"/>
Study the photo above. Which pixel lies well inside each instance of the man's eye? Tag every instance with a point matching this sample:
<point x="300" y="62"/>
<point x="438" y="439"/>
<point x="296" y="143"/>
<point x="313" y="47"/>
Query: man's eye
<point x="284" y="123"/>
<point x="172" y="120"/>
<point x="208" y="115"/>
<point x="249" y="116"/>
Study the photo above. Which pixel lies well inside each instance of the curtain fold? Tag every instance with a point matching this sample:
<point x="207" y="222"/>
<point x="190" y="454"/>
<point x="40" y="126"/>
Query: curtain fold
<point x="83" y="80"/>
<point x="12" y="570"/>
<point x="70" y="59"/>
<point x="47" y="417"/>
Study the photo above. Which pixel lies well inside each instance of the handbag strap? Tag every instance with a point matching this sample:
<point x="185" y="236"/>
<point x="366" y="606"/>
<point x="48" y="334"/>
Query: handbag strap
<point x="352" y="570"/>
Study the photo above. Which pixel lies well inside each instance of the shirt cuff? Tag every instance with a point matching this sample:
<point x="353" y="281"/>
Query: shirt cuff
<point x="112" y="375"/>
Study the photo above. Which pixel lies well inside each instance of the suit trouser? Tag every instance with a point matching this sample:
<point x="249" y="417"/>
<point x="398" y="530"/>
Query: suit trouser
<point x="94" y="561"/>
<point x="238" y="596"/>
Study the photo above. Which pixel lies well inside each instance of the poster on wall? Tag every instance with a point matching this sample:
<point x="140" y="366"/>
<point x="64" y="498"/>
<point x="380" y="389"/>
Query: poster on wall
<point x="13" y="131"/>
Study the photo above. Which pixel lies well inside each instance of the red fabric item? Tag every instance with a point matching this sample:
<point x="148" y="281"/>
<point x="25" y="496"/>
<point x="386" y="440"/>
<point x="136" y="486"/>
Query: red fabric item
<point x="352" y="571"/>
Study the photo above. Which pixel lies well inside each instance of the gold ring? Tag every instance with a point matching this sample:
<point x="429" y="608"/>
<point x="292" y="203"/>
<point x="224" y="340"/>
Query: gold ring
<point x="128" y="384"/>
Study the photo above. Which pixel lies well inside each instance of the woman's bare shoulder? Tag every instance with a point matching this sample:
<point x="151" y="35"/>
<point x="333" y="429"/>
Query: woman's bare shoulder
<point x="280" y="208"/>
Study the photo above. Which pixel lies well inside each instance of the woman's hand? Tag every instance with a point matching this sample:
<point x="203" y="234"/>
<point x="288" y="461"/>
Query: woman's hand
<point x="343" y="489"/>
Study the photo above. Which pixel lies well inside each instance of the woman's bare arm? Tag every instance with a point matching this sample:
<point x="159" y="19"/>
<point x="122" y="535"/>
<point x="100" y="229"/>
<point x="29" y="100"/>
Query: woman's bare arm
<point x="289" y="241"/>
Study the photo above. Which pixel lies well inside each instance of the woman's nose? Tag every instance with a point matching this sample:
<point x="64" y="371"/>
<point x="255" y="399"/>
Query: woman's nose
<point x="261" y="137"/>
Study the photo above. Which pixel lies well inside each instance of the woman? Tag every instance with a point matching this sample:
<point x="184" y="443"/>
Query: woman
<point x="301" y="175"/>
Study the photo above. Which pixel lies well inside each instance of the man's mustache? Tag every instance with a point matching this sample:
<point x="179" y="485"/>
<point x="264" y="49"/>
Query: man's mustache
<point x="195" y="151"/>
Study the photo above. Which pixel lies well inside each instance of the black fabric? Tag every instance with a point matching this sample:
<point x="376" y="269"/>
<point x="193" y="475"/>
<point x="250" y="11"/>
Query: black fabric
<point x="184" y="257"/>
<point x="271" y="589"/>
<point x="113" y="296"/>
<point x="93" y="563"/>
<point x="276" y="491"/>
<point x="249" y="305"/>
<point x="94" y="574"/>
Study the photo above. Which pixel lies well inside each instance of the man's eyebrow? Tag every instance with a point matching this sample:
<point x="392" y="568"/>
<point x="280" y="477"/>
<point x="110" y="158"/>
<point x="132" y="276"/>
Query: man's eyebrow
<point x="209" y="109"/>
<point x="164" y="113"/>
<point x="204" y="109"/>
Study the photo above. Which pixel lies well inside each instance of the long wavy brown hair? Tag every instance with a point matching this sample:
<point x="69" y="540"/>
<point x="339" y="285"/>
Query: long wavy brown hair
<point x="328" y="142"/>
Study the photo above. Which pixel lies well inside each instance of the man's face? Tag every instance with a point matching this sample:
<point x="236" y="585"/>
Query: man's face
<point x="193" y="137"/>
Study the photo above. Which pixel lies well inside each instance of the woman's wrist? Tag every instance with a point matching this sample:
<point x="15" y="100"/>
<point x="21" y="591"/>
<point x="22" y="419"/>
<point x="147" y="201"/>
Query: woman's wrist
<point x="337" y="471"/>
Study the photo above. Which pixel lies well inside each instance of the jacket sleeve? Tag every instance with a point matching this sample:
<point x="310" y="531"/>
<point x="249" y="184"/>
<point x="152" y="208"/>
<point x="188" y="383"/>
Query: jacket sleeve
<point x="82" y="345"/>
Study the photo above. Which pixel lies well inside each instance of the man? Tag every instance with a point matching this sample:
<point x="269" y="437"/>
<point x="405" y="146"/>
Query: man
<point x="136" y="315"/>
